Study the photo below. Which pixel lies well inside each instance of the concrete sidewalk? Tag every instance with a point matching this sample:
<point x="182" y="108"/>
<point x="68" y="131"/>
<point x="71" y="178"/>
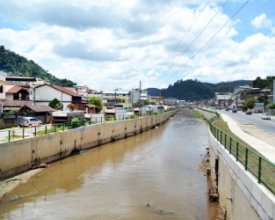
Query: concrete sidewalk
<point x="259" y="139"/>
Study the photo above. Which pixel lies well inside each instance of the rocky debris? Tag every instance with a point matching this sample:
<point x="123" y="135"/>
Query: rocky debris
<point x="213" y="197"/>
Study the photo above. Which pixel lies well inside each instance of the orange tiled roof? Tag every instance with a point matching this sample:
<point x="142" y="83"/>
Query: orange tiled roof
<point x="62" y="89"/>
<point x="16" y="103"/>
<point x="15" y="89"/>
<point x="40" y="108"/>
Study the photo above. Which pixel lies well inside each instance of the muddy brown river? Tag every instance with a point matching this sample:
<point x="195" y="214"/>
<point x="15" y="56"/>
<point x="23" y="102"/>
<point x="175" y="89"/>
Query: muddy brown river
<point x="154" y="175"/>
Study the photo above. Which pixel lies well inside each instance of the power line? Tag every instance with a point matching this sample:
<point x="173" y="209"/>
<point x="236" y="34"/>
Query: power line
<point x="211" y="37"/>
<point x="184" y="36"/>
<point x="197" y="36"/>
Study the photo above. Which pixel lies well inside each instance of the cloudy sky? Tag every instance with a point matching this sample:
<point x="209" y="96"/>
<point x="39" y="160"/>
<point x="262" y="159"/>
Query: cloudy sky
<point x="110" y="44"/>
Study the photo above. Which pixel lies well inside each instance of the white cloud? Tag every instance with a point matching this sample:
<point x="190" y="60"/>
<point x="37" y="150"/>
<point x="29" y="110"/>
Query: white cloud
<point x="261" y="22"/>
<point x="112" y="43"/>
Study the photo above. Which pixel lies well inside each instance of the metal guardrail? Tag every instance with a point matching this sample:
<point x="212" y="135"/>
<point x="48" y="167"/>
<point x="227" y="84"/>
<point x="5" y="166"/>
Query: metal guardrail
<point x="14" y="134"/>
<point x="254" y="162"/>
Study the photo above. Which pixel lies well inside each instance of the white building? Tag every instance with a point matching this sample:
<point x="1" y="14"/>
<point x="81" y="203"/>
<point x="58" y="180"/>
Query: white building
<point x="43" y="94"/>
<point x="135" y="96"/>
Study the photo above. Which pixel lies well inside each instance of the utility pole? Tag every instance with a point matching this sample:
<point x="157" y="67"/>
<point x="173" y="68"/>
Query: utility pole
<point x="139" y="94"/>
<point x="115" y="93"/>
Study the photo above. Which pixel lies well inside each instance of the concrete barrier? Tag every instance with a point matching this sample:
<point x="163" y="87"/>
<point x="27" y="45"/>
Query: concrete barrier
<point x="22" y="155"/>
<point x="240" y="195"/>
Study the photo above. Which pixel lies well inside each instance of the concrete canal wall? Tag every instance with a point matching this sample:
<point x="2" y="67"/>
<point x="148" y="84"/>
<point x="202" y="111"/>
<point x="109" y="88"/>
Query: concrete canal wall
<point x="240" y="194"/>
<point x="22" y="155"/>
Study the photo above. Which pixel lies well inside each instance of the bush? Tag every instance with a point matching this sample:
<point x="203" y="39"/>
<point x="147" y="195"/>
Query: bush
<point x="56" y="104"/>
<point x="96" y="101"/>
<point x="271" y="105"/>
<point x="133" y="116"/>
<point x="112" y="118"/>
<point x="75" y="123"/>
<point x="248" y="104"/>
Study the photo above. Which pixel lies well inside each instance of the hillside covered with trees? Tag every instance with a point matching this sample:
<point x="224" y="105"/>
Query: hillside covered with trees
<point x="195" y="90"/>
<point x="20" y="66"/>
<point x="266" y="83"/>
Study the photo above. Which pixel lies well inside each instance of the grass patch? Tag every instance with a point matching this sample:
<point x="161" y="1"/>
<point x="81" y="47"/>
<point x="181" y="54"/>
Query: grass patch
<point x="51" y="129"/>
<point x="198" y="114"/>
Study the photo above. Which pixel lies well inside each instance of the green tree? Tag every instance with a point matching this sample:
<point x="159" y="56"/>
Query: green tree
<point x="263" y="98"/>
<point x="19" y="65"/>
<point x="96" y="101"/>
<point x="266" y="83"/>
<point x="56" y="104"/>
<point x="75" y="123"/>
<point x="248" y="104"/>
<point x="271" y="105"/>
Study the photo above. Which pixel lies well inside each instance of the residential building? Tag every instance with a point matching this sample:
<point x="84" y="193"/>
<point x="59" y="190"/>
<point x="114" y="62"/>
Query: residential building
<point x="41" y="112"/>
<point x="15" y="92"/>
<point x="157" y="99"/>
<point x="183" y="103"/>
<point x="117" y="96"/>
<point x="43" y="94"/>
<point x="143" y="95"/>
<point x="171" y="101"/>
<point x="135" y="96"/>
<point x="223" y="99"/>
<point x="241" y="93"/>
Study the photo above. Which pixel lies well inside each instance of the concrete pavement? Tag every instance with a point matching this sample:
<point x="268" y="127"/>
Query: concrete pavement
<point x="259" y="139"/>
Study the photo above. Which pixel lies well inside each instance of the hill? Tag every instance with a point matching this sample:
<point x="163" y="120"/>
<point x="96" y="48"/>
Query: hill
<point x="153" y="92"/>
<point x="195" y="90"/>
<point x="20" y="66"/>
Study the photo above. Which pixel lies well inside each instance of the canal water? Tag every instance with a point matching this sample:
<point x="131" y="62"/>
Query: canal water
<point x="153" y="175"/>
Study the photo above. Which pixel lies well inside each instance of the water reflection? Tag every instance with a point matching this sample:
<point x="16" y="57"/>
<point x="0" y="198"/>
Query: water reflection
<point x="154" y="175"/>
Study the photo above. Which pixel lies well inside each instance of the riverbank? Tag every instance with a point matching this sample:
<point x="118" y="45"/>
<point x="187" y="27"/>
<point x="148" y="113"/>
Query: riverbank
<point x="216" y="210"/>
<point x="64" y="142"/>
<point x="119" y="180"/>
<point x="9" y="184"/>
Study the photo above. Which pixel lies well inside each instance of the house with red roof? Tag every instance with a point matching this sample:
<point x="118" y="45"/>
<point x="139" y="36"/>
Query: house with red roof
<point x="43" y="94"/>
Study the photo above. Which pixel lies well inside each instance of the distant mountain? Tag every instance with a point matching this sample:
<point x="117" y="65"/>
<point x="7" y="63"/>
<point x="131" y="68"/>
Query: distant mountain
<point x="18" y="65"/>
<point x="195" y="90"/>
<point x="153" y="92"/>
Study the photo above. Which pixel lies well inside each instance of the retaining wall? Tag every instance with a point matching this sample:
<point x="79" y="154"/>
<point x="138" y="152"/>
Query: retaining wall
<point x="240" y="195"/>
<point x="19" y="156"/>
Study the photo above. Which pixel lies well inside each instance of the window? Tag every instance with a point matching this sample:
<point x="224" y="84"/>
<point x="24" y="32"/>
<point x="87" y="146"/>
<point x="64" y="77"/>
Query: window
<point x="1" y="89"/>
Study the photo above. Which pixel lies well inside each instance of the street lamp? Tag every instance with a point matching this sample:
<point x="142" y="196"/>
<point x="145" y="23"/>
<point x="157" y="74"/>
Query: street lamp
<point x="115" y="93"/>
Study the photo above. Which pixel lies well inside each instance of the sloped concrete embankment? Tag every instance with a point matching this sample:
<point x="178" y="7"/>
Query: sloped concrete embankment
<point x="19" y="156"/>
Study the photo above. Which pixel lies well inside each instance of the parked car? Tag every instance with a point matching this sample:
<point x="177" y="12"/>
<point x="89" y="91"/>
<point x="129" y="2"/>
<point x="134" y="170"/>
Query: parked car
<point x="234" y="110"/>
<point x="29" y="121"/>
<point x="265" y="116"/>
<point x="248" y="113"/>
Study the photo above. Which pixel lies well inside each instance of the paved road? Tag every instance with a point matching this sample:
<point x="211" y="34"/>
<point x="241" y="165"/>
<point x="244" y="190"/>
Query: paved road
<point x="254" y="119"/>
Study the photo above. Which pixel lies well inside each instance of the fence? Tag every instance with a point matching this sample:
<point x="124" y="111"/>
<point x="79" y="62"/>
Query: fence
<point x="255" y="163"/>
<point x="13" y="134"/>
